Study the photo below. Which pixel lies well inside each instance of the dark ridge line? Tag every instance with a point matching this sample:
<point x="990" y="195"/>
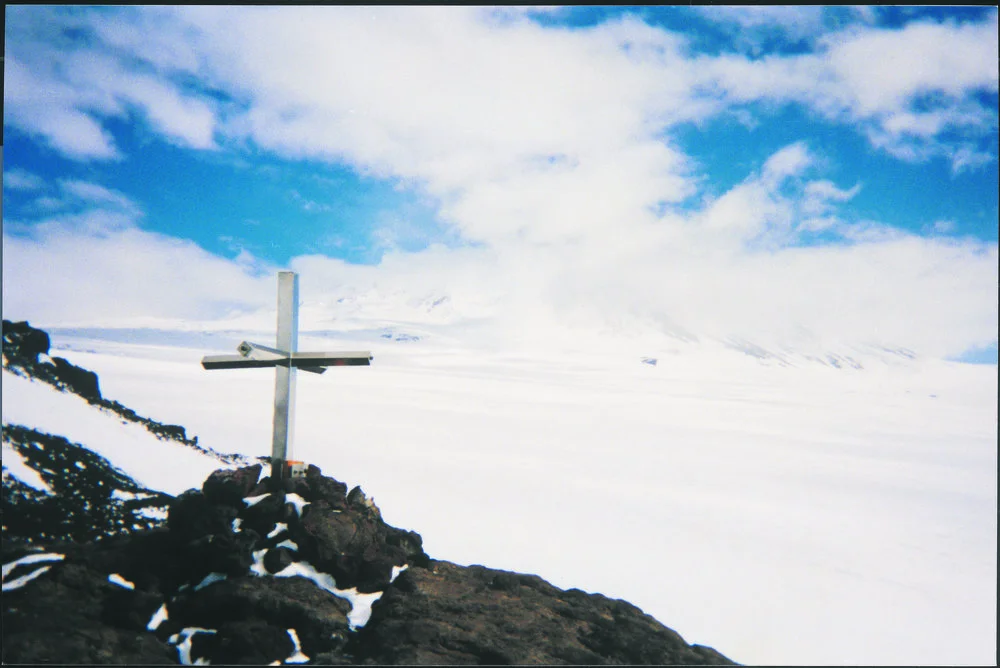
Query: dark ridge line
<point x="22" y="344"/>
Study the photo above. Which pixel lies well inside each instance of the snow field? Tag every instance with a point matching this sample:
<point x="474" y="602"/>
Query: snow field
<point x="780" y="515"/>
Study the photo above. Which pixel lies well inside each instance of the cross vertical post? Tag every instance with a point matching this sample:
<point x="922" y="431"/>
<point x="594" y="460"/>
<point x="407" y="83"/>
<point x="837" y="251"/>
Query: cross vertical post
<point x="286" y="359"/>
<point x="284" y="376"/>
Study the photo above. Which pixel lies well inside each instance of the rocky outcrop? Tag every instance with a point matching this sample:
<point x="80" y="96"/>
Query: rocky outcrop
<point x="27" y="349"/>
<point x="246" y="571"/>
<point x="449" y="614"/>
<point x="87" y="498"/>
<point x="26" y="352"/>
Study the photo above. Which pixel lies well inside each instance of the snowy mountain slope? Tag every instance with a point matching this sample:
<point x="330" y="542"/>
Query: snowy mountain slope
<point x="100" y="566"/>
<point x="762" y="504"/>
<point x="800" y="515"/>
<point x="57" y="490"/>
<point x="155" y="463"/>
<point x="80" y="465"/>
<point x="489" y="323"/>
<point x="25" y="354"/>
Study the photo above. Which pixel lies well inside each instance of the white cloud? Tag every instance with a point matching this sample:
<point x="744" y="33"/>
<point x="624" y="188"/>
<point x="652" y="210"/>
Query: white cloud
<point x="93" y="193"/>
<point x="754" y="29"/>
<point x="822" y="196"/>
<point x="943" y="226"/>
<point x="677" y="273"/>
<point x="65" y="94"/>
<point x="44" y="107"/>
<point x="788" y="161"/>
<point x="98" y="268"/>
<point x="905" y="88"/>
<point x="796" y="22"/>
<point x="483" y="97"/>
<point x="547" y="148"/>
<point x="885" y="69"/>
<point x="20" y="179"/>
<point x="184" y="120"/>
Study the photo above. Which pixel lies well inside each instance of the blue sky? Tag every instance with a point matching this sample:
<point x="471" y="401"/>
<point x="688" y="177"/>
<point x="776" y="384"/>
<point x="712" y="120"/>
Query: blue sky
<point x="582" y="160"/>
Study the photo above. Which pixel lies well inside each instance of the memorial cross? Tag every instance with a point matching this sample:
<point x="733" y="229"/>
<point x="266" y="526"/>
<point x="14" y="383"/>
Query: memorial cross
<point x="286" y="359"/>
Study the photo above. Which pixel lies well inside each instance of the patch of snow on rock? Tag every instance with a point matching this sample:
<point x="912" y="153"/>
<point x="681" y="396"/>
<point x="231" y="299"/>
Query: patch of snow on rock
<point x="254" y="500"/>
<point x="15" y="466"/>
<point x="114" y="578"/>
<point x="297" y="501"/>
<point x="30" y="559"/>
<point x="209" y="579"/>
<point x="257" y="568"/>
<point x="122" y="495"/>
<point x="158" y="618"/>
<point x="17" y="583"/>
<point x="153" y="513"/>
<point x="297" y="656"/>
<point x="183" y="642"/>
<point x="361" y="604"/>
<point x="304" y="569"/>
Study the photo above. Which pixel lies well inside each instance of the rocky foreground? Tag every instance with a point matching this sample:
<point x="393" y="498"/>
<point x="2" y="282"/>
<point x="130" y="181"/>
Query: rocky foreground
<point x="241" y="574"/>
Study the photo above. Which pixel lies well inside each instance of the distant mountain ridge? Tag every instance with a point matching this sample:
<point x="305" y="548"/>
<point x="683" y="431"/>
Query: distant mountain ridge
<point x="98" y="568"/>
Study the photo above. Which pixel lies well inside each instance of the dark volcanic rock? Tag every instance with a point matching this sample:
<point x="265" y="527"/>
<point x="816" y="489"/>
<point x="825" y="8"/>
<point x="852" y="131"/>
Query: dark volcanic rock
<point x="23" y="346"/>
<point x="191" y="516"/>
<point x="91" y="566"/>
<point x="64" y="617"/>
<point x="277" y="559"/>
<point x="83" y="504"/>
<point x="77" y="380"/>
<point x="271" y="606"/>
<point x="350" y="545"/>
<point x="21" y="339"/>
<point x="448" y="614"/>
<point x="230" y="487"/>
<point x="211" y="566"/>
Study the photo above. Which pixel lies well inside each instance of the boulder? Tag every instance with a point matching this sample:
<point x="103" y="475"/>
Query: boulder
<point x="351" y="546"/>
<point x="191" y="516"/>
<point x="278" y="558"/>
<point x="63" y="617"/>
<point x="449" y="614"/>
<point x="435" y="612"/>
<point x="77" y="380"/>
<point x="22" y="340"/>
<point x="229" y="487"/>
<point x="270" y="606"/>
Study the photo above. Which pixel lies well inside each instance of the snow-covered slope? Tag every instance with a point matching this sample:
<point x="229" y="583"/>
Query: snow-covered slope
<point x="799" y="514"/>
<point x="155" y="463"/>
<point x="796" y="515"/>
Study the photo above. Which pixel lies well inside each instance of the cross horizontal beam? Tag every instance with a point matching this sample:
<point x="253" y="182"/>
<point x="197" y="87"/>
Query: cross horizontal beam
<point x="257" y="351"/>
<point x="286" y="360"/>
<point x="298" y="360"/>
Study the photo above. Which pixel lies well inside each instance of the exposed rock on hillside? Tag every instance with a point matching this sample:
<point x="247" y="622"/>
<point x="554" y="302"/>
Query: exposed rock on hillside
<point x="245" y="574"/>
<point x="81" y="495"/>
<point x="26" y="352"/>
<point x="99" y="569"/>
<point x="448" y="614"/>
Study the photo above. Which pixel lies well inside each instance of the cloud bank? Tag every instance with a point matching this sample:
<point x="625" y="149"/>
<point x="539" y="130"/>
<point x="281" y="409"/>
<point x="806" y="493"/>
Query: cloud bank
<point x="546" y="150"/>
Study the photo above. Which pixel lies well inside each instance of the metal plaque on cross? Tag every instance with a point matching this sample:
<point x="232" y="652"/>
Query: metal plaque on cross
<point x="286" y="359"/>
